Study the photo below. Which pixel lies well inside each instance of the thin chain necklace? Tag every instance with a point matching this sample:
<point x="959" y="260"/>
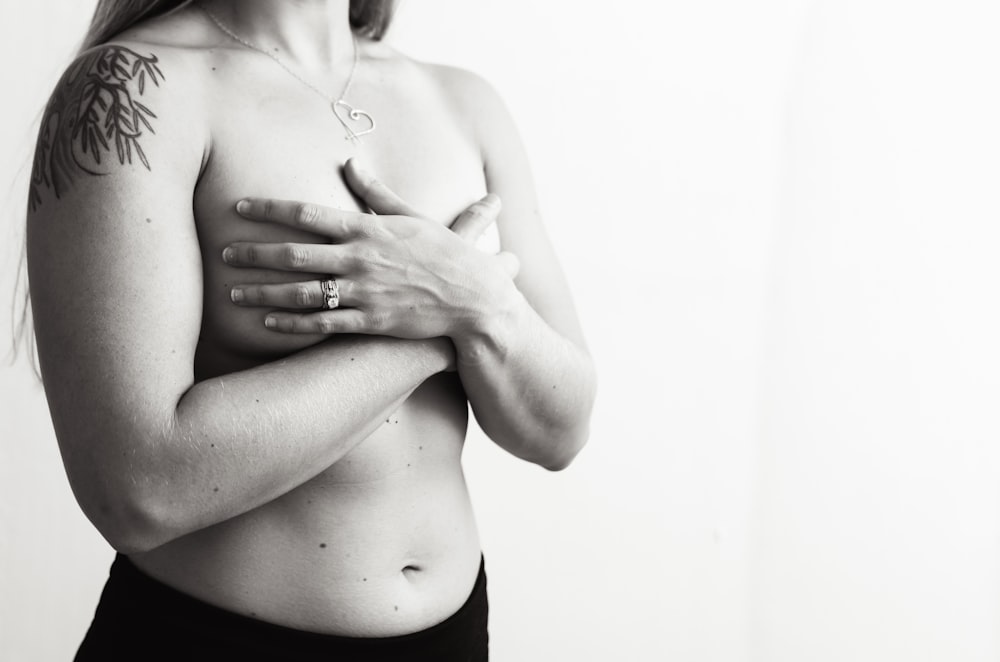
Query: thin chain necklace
<point x="363" y="122"/>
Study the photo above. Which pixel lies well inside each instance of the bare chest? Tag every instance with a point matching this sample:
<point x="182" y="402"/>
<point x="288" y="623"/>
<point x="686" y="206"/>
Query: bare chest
<point x="289" y="145"/>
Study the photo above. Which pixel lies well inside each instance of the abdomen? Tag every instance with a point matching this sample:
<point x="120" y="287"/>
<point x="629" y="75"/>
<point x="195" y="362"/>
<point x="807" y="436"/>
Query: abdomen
<point x="381" y="543"/>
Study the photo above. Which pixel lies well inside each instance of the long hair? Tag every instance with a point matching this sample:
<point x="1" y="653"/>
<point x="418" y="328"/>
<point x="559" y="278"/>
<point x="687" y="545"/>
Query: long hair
<point x="369" y="18"/>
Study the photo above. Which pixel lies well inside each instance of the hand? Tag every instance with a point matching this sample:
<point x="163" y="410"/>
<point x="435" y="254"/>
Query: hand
<point x="399" y="273"/>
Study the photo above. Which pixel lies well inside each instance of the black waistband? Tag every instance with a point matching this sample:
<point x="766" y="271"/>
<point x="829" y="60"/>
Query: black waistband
<point x="141" y="618"/>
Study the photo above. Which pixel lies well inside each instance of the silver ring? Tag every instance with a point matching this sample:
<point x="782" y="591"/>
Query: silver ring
<point x="331" y="293"/>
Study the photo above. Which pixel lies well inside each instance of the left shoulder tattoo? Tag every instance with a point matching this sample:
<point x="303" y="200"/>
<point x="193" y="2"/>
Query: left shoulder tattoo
<point x="94" y="114"/>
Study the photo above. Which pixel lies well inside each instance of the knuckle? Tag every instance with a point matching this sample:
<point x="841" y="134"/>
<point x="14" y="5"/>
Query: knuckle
<point x="252" y="254"/>
<point x="296" y="256"/>
<point x="369" y="290"/>
<point x="256" y="294"/>
<point x="306" y="214"/>
<point x="377" y="320"/>
<point x="368" y="181"/>
<point x="267" y="209"/>
<point x="303" y="295"/>
<point x="367" y="256"/>
<point x="326" y="324"/>
<point x="368" y="226"/>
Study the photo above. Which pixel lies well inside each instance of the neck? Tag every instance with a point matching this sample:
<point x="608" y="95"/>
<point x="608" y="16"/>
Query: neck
<point x="313" y="34"/>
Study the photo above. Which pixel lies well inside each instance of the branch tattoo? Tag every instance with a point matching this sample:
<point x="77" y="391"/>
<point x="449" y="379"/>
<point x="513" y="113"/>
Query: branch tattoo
<point x="94" y="115"/>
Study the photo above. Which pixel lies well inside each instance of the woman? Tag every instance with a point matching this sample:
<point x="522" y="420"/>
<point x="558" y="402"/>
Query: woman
<point x="260" y="387"/>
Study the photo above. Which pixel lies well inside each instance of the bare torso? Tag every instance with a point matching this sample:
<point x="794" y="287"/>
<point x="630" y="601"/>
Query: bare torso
<point x="383" y="541"/>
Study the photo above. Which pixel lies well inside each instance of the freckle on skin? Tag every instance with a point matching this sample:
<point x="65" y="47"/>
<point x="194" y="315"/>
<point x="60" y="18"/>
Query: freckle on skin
<point x="216" y="489"/>
<point x="395" y="607"/>
<point x="149" y="220"/>
<point x="364" y="579"/>
<point x="322" y="545"/>
<point x="213" y="445"/>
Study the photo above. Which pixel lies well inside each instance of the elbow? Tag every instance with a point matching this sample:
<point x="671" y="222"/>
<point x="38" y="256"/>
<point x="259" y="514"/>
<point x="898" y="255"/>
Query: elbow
<point x="559" y="464"/>
<point x="569" y="441"/>
<point x="572" y="438"/>
<point x="562" y="454"/>
<point x="129" y="520"/>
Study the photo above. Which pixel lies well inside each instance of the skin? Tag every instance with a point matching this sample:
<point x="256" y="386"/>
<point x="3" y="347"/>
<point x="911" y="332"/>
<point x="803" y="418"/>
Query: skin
<point x="308" y="473"/>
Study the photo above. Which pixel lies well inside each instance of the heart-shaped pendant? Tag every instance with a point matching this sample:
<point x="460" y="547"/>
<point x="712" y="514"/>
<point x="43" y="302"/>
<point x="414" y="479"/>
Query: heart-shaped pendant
<point x="357" y="122"/>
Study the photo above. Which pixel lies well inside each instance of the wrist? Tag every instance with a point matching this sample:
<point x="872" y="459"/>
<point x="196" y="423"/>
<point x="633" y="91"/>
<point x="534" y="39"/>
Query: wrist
<point x="493" y="330"/>
<point x="441" y="352"/>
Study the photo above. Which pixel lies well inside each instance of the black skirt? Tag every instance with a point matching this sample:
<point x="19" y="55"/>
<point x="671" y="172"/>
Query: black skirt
<point x="140" y="618"/>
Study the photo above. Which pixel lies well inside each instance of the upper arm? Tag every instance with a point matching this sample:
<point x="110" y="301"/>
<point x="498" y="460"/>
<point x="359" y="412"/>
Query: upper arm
<point x="113" y="257"/>
<point x="522" y="232"/>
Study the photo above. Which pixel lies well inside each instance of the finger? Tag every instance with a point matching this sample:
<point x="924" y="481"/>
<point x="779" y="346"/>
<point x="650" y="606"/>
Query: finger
<point x="337" y="224"/>
<point x="379" y="197"/>
<point x="510" y="263"/>
<point x="326" y="322"/>
<point x="291" y="296"/>
<point x="472" y="223"/>
<point x="312" y="258"/>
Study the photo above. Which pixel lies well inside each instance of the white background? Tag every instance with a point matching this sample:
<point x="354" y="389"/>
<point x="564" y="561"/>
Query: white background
<point x="781" y="220"/>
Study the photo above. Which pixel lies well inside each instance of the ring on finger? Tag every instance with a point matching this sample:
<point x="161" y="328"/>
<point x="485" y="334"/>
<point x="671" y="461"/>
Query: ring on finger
<point x="331" y="293"/>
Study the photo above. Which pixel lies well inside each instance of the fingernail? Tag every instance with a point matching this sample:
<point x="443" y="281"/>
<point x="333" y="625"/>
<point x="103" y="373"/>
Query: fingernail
<point x="229" y="254"/>
<point x="243" y="206"/>
<point x="270" y="322"/>
<point x="236" y="294"/>
<point x="491" y="200"/>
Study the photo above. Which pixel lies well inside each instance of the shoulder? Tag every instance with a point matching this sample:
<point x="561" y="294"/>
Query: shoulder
<point x="122" y="106"/>
<point x="477" y="102"/>
<point x="164" y="57"/>
<point x="469" y="91"/>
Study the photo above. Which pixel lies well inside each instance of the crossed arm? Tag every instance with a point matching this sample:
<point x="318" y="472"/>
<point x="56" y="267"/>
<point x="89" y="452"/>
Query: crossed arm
<point x="530" y="387"/>
<point x="151" y="455"/>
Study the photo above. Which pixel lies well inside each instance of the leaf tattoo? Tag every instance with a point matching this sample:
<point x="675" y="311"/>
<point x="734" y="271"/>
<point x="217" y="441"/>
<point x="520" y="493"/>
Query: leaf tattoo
<point x="92" y="115"/>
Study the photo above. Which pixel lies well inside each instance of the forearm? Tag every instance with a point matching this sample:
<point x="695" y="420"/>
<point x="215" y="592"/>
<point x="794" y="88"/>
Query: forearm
<point x="240" y="440"/>
<point x="531" y="389"/>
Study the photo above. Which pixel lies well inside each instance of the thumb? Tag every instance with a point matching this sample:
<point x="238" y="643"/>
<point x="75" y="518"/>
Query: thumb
<point x="510" y="263"/>
<point x="473" y="221"/>
<point x="379" y="197"/>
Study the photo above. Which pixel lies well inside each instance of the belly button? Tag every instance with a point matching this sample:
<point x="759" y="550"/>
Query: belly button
<point x="409" y="571"/>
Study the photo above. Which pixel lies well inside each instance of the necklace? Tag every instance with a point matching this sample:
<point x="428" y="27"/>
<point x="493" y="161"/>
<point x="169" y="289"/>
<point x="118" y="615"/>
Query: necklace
<point x="362" y="121"/>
